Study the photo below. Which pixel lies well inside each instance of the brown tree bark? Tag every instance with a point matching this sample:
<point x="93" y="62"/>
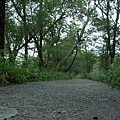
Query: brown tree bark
<point x="25" y="29"/>
<point x="2" y="27"/>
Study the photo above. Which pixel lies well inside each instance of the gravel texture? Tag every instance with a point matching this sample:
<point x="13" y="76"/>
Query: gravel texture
<point x="62" y="100"/>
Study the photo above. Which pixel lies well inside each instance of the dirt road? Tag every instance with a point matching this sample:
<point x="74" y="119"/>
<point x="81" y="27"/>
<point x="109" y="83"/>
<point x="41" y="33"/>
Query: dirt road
<point x="60" y="100"/>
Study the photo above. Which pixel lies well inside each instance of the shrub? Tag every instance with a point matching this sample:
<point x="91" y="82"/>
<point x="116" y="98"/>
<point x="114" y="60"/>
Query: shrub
<point x="98" y="75"/>
<point x="52" y="75"/>
<point x="82" y="76"/>
<point x="15" y="74"/>
<point x="22" y="73"/>
<point x="113" y="76"/>
<point x="110" y="76"/>
<point x="3" y="79"/>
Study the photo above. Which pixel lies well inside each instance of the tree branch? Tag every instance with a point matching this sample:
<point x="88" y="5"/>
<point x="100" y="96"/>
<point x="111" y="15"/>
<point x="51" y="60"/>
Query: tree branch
<point x="18" y="12"/>
<point x="55" y="22"/>
<point x="74" y="47"/>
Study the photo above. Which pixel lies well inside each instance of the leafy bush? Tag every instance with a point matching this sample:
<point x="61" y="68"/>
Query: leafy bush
<point x="113" y="76"/>
<point x="15" y="74"/>
<point x="110" y="76"/>
<point x="52" y="75"/>
<point x="82" y="76"/>
<point x="3" y="79"/>
<point x="27" y="72"/>
<point x="98" y="75"/>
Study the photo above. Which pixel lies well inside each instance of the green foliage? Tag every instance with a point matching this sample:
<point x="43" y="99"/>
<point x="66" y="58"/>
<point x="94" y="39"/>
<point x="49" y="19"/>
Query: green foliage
<point x="15" y="74"/>
<point x="27" y="71"/>
<point x="53" y="27"/>
<point x="52" y="75"/>
<point x="82" y="76"/>
<point x="110" y="76"/>
<point x="99" y="75"/>
<point x="84" y="63"/>
<point x="113" y="76"/>
<point x="3" y="79"/>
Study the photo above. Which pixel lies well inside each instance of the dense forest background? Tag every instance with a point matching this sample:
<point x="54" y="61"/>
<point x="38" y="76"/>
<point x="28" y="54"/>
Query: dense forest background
<point x="59" y="39"/>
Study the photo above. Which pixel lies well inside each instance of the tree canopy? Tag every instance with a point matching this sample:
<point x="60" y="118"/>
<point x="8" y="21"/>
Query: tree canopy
<point x="64" y="35"/>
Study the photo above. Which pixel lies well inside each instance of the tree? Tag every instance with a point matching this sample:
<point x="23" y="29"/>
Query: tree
<point x="48" y="15"/>
<point x="109" y="18"/>
<point x="80" y="33"/>
<point x="22" y="21"/>
<point x="2" y="27"/>
<point x="25" y="28"/>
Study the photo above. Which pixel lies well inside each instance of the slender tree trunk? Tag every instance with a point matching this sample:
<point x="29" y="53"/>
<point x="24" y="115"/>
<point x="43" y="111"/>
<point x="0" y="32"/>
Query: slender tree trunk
<point x="40" y="52"/>
<point x="48" y="58"/>
<point x="2" y="27"/>
<point x="72" y="60"/>
<point x="40" y="43"/>
<point x="73" y="48"/>
<point x="25" y="29"/>
<point x="42" y="34"/>
<point x="111" y="41"/>
<point x="108" y="30"/>
<point x="111" y="46"/>
<point x="112" y="54"/>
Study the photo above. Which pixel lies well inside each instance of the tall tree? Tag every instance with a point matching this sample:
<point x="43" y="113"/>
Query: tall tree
<point x="74" y="46"/>
<point x="109" y="21"/>
<point x="2" y="27"/>
<point x="25" y="28"/>
<point x="48" y="15"/>
<point x="24" y="17"/>
<point x="79" y="32"/>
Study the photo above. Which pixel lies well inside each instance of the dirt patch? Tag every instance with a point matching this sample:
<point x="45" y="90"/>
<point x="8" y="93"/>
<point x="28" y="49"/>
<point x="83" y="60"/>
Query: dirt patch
<point x="62" y="100"/>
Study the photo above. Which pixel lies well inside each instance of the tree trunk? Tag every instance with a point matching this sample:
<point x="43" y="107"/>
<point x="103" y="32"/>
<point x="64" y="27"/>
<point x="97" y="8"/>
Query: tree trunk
<point x="40" y="49"/>
<point x="2" y="27"/>
<point x="74" y="47"/>
<point x="111" y="39"/>
<point x="40" y="53"/>
<point x="25" y="29"/>
<point x="42" y="34"/>
<point x="48" y="59"/>
<point x="72" y="60"/>
<point x="112" y="55"/>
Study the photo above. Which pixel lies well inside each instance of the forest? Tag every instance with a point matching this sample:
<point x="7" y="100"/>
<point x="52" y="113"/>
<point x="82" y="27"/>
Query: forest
<point x="59" y="39"/>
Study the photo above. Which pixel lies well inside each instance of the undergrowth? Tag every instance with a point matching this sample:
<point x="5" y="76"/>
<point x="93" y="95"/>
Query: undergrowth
<point x="21" y="73"/>
<point x="110" y="76"/>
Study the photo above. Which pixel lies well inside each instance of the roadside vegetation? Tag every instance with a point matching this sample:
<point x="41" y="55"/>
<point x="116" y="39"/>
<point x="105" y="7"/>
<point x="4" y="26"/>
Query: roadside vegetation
<point x="51" y="40"/>
<point x="22" y="72"/>
<point x="109" y="76"/>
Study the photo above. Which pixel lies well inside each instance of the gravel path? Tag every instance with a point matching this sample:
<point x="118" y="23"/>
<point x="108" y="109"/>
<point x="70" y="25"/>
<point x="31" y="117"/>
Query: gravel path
<point x="61" y="100"/>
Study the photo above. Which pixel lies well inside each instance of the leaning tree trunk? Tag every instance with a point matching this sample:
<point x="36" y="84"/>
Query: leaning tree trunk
<point x="60" y="64"/>
<point x="72" y="60"/>
<point x="2" y="27"/>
